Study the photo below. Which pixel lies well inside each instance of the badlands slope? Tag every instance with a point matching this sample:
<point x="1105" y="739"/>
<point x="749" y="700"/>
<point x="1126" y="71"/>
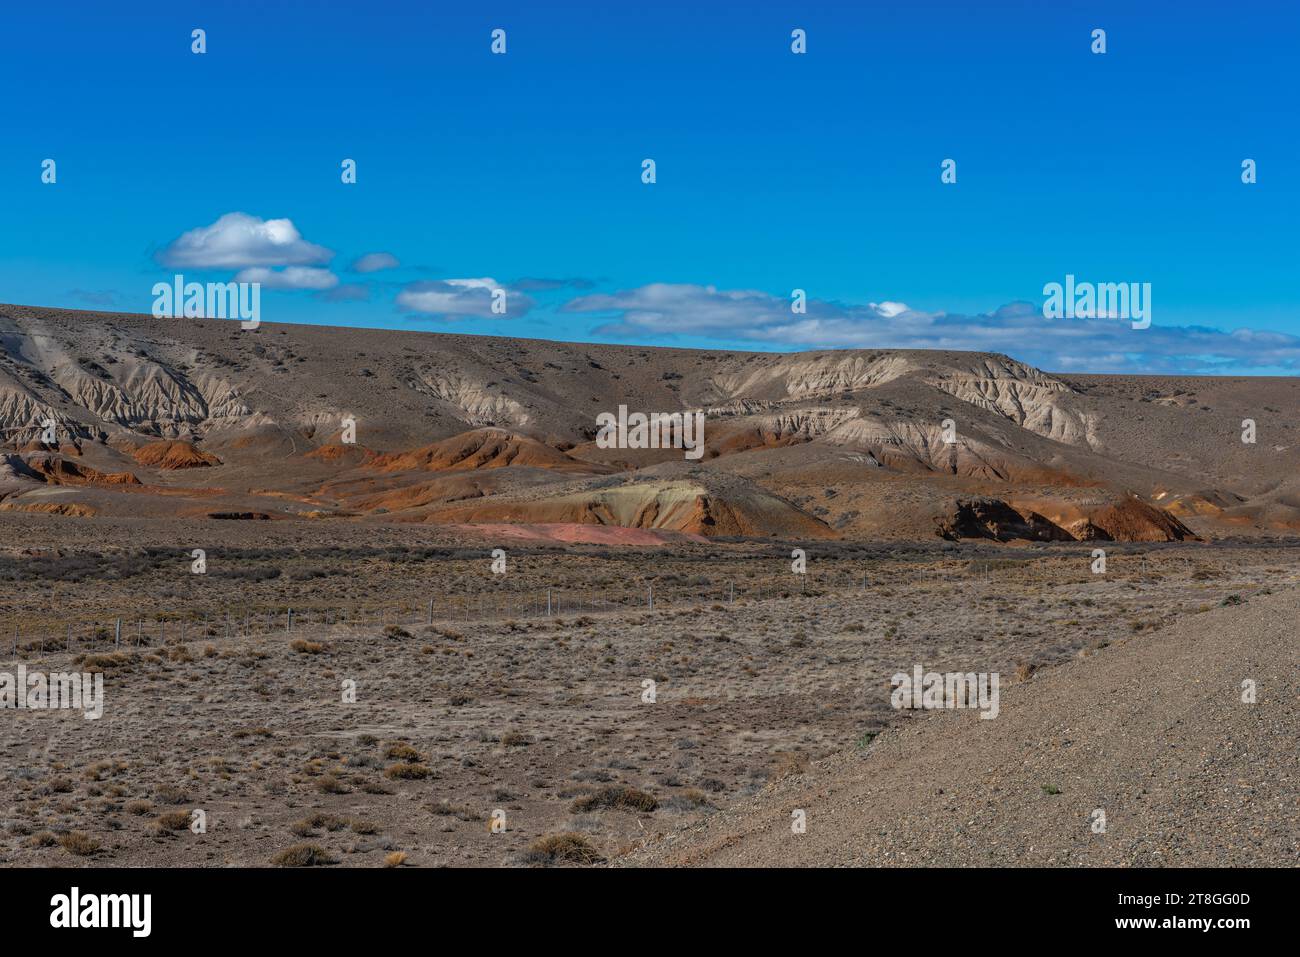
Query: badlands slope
<point x="198" y="418"/>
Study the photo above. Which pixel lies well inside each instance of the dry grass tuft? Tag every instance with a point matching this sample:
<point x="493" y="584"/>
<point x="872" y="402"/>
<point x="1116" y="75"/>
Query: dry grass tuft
<point x="407" y="772"/>
<point x="172" y="821"/>
<point x="617" y="797"/>
<point x="401" y="751"/>
<point x="303" y="855"/>
<point x="79" y="843"/>
<point x="568" y="848"/>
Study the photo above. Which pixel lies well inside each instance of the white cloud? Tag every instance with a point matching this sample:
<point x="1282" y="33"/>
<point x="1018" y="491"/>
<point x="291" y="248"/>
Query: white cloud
<point x="291" y="277"/>
<point x="373" y="262"/>
<point x="890" y="309"/>
<point x="743" y="313"/>
<point x="238" y="240"/>
<point x="662" y="310"/>
<point x="454" y="298"/>
<point x="683" y="308"/>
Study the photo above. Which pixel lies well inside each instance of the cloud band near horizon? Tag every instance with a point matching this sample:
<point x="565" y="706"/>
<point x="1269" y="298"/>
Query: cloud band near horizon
<point x="274" y="253"/>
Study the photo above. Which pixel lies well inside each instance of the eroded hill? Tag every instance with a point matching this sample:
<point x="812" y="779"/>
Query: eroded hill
<point x="184" y="417"/>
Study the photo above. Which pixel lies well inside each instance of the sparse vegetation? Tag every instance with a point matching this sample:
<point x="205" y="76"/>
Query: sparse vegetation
<point x="520" y="726"/>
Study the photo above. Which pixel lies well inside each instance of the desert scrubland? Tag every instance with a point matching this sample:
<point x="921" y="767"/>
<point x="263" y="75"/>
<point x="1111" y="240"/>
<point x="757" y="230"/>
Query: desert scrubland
<point x="362" y="598"/>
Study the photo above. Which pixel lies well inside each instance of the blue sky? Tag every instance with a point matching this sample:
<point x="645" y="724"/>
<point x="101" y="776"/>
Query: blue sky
<point x="775" y="171"/>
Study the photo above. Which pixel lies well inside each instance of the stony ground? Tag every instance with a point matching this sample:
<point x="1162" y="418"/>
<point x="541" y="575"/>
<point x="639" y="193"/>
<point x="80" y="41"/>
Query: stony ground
<point x="1152" y="732"/>
<point x="545" y="724"/>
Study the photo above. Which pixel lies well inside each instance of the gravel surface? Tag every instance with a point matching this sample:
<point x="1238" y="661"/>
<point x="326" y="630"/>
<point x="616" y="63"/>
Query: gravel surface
<point x="1151" y="730"/>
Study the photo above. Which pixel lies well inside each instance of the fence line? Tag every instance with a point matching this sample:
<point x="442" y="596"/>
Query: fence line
<point x="493" y="603"/>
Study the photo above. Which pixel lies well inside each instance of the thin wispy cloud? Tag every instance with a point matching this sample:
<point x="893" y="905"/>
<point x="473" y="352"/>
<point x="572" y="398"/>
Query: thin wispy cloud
<point x="659" y="310"/>
<point x="374" y="262"/>
<point x="347" y="292"/>
<point x="533" y="284"/>
<point x="96" y="297"/>
<point x="461" y="298"/>
<point x="291" y="277"/>
<point x="678" y="308"/>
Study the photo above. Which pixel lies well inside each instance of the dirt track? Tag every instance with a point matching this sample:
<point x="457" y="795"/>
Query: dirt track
<point x="1151" y="730"/>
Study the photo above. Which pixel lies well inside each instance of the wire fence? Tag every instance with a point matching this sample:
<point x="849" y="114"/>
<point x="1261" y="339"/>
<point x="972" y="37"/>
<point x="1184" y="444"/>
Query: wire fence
<point x="496" y="602"/>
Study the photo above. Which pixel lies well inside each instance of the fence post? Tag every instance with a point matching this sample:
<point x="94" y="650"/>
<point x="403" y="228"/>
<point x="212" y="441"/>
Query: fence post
<point x="289" y="621"/>
<point x="652" y="596"/>
<point x="548" y="603"/>
<point x="431" y="611"/>
<point x="117" y="635"/>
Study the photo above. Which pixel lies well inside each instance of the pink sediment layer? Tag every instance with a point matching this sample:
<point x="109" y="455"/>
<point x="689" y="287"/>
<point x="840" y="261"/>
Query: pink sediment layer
<point x="580" y="533"/>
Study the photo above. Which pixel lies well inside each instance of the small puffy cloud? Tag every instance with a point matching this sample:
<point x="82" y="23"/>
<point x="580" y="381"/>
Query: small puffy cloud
<point x="238" y="240"/>
<point x="291" y="277"/>
<point x="373" y="262"/>
<point x="890" y="309"/>
<point x="455" y="298"/>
